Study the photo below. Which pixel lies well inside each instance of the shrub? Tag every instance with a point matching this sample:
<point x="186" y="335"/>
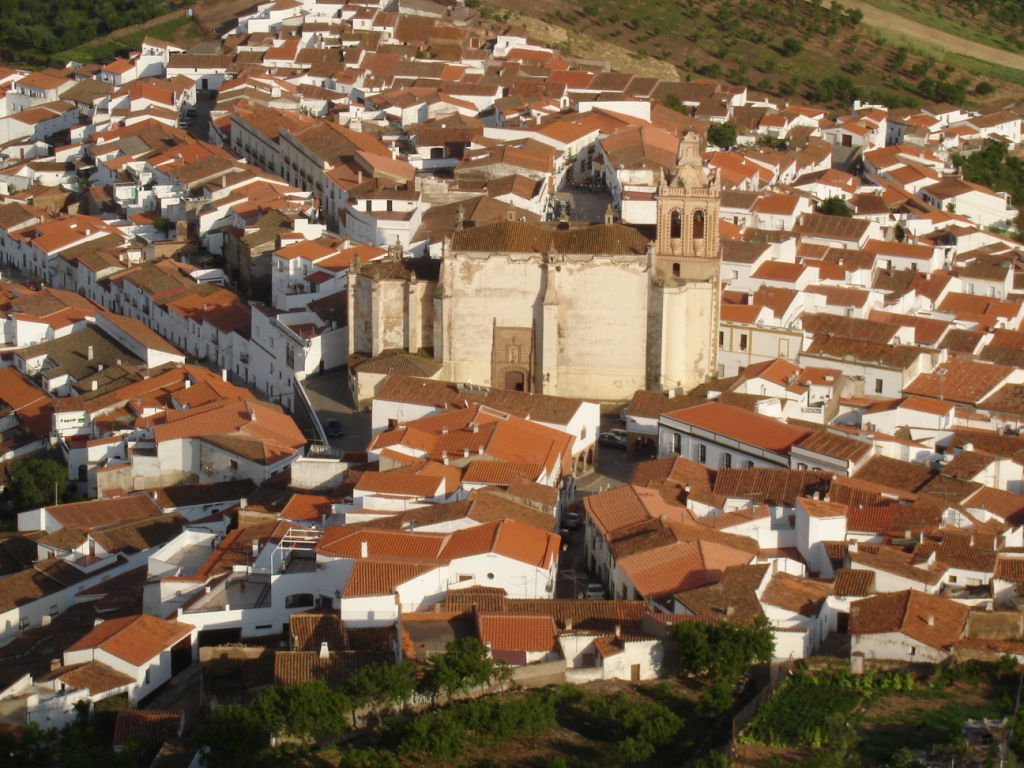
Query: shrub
<point x="791" y="46"/>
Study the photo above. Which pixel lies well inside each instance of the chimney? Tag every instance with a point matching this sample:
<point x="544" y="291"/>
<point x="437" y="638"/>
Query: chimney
<point x="188" y="383"/>
<point x="618" y="630"/>
<point x="609" y="217"/>
<point x="730" y="610"/>
<point x="95" y="385"/>
<point x="54" y="664"/>
<point x="152" y="495"/>
<point x="364" y="549"/>
<point x="475" y="427"/>
<point x="929" y="620"/>
<point x="243" y="503"/>
<point x="672" y="393"/>
<point x="568" y="624"/>
<point x="224" y="374"/>
<point x="89" y="353"/>
<point x="99" y="367"/>
<point x="255" y="548"/>
<point x="510" y="214"/>
<point x="360" y="178"/>
<point x="325" y="653"/>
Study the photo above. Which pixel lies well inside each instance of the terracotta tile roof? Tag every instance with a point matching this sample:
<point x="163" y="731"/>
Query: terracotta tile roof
<point x="1003" y="504"/>
<point x="803" y="596"/>
<point x="895" y="561"/>
<point x="848" y="327"/>
<point x="832" y="227"/>
<point x="306" y="631"/>
<point x="94" y="676"/>
<point x="774" y="487"/>
<point x="895" y="519"/>
<point x="826" y="442"/>
<point x="1010" y="569"/>
<point x="893" y="473"/>
<point x="929" y="619"/>
<point x="824" y="509"/>
<point x="853" y="582"/>
<point x="83" y="515"/>
<point x="382" y="577"/>
<point x="346" y="541"/>
<point x="523" y="237"/>
<point x="146" y="726"/>
<point x="135" y="639"/>
<point x="500" y="472"/>
<point x="684" y="565"/>
<point x="517" y="632"/>
<point x="742" y="425"/>
<point x="292" y="667"/>
<point x="733" y="597"/>
<point x="960" y="380"/>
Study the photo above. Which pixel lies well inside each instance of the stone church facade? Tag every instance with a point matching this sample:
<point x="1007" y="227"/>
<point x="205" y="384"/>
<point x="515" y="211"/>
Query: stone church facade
<point x="594" y="311"/>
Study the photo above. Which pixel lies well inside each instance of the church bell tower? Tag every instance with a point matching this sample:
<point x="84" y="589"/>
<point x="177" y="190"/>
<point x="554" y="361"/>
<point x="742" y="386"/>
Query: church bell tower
<point x="683" y="313"/>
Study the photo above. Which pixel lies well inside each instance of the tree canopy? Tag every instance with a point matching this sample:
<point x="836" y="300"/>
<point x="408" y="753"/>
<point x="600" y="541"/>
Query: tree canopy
<point x="720" y="653"/>
<point x="835" y="206"/>
<point x="33" y="483"/>
<point x="464" y="665"/>
<point x="33" y="31"/>
<point x="722" y="135"/>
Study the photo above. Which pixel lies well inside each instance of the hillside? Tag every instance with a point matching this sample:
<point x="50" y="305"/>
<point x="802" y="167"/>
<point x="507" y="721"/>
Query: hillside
<point x="792" y="49"/>
<point x="31" y="32"/>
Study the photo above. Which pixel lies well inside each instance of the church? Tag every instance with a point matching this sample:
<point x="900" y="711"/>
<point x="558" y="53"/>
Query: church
<point x="594" y="311"/>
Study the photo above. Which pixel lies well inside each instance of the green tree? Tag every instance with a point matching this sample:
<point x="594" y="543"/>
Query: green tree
<point x="302" y="710"/>
<point x="234" y="737"/>
<point x="722" y="135"/>
<point x="835" y="206"/>
<point x="984" y="88"/>
<point x="791" y="46"/>
<point x="721" y="653"/>
<point x="33" y="483"/>
<point x="382" y="685"/>
<point x="464" y="665"/>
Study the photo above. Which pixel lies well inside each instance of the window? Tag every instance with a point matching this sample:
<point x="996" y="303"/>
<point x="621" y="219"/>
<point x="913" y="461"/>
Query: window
<point x="702" y="453"/>
<point x="952" y="579"/>
<point x="677" y="443"/>
<point x="748" y="464"/>
<point x="801" y="466"/>
<point x="676" y="228"/>
<point x="583" y="433"/>
<point x="490" y="577"/>
<point x="675" y="270"/>
<point x="727" y="460"/>
<point x="698" y="225"/>
<point x="721" y="339"/>
<point x="743" y="342"/>
<point x="233" y="464"/>
<point x="878" y="386"/>
<point x="146" y="678"/>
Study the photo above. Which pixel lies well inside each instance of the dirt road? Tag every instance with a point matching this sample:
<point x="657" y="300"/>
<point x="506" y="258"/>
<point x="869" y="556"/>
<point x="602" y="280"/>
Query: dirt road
<point x="876" y="17"/>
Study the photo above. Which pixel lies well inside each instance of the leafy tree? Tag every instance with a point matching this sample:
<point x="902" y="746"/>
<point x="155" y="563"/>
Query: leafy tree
<point x="33" y="483"/>
<point x="984" y="88"/>
<point x="721" y="653"/>
<point x="464" y="665"/>
<point x="302" y="710"/>
<point x="234" y="737"/>
<point x="382" y="685"/>
<point x="791" y="46"/>
<point x="162" y="223"/>
<point x="835" y="206"/>
<point x="722" y="135"/>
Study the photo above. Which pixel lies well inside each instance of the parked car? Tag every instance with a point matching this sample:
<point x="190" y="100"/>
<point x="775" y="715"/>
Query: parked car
<point x="32" y="285"/>
<point x="623" y="413"/>
<point x="572" y="520"/>
<point x="191" y="113"/>
<point x="615" y="438"/>
<point x="595" y="592"/>
<point x="333" y="428"/>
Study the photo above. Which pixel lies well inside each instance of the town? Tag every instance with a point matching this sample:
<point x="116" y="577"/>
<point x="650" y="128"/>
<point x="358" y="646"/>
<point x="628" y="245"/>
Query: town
<point x="375" y="326"/>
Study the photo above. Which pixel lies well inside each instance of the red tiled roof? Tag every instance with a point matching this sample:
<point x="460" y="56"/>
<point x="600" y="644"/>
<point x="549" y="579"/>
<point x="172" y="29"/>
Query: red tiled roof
<point x="516" y="632"/>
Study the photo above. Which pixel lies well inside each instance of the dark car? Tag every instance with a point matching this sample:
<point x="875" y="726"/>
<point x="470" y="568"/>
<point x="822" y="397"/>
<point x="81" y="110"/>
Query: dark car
<point x="572" y="521"/>
<point x="614" y="439"/>
<point x="333" y="428"/>
<point x="32" y="285"/>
